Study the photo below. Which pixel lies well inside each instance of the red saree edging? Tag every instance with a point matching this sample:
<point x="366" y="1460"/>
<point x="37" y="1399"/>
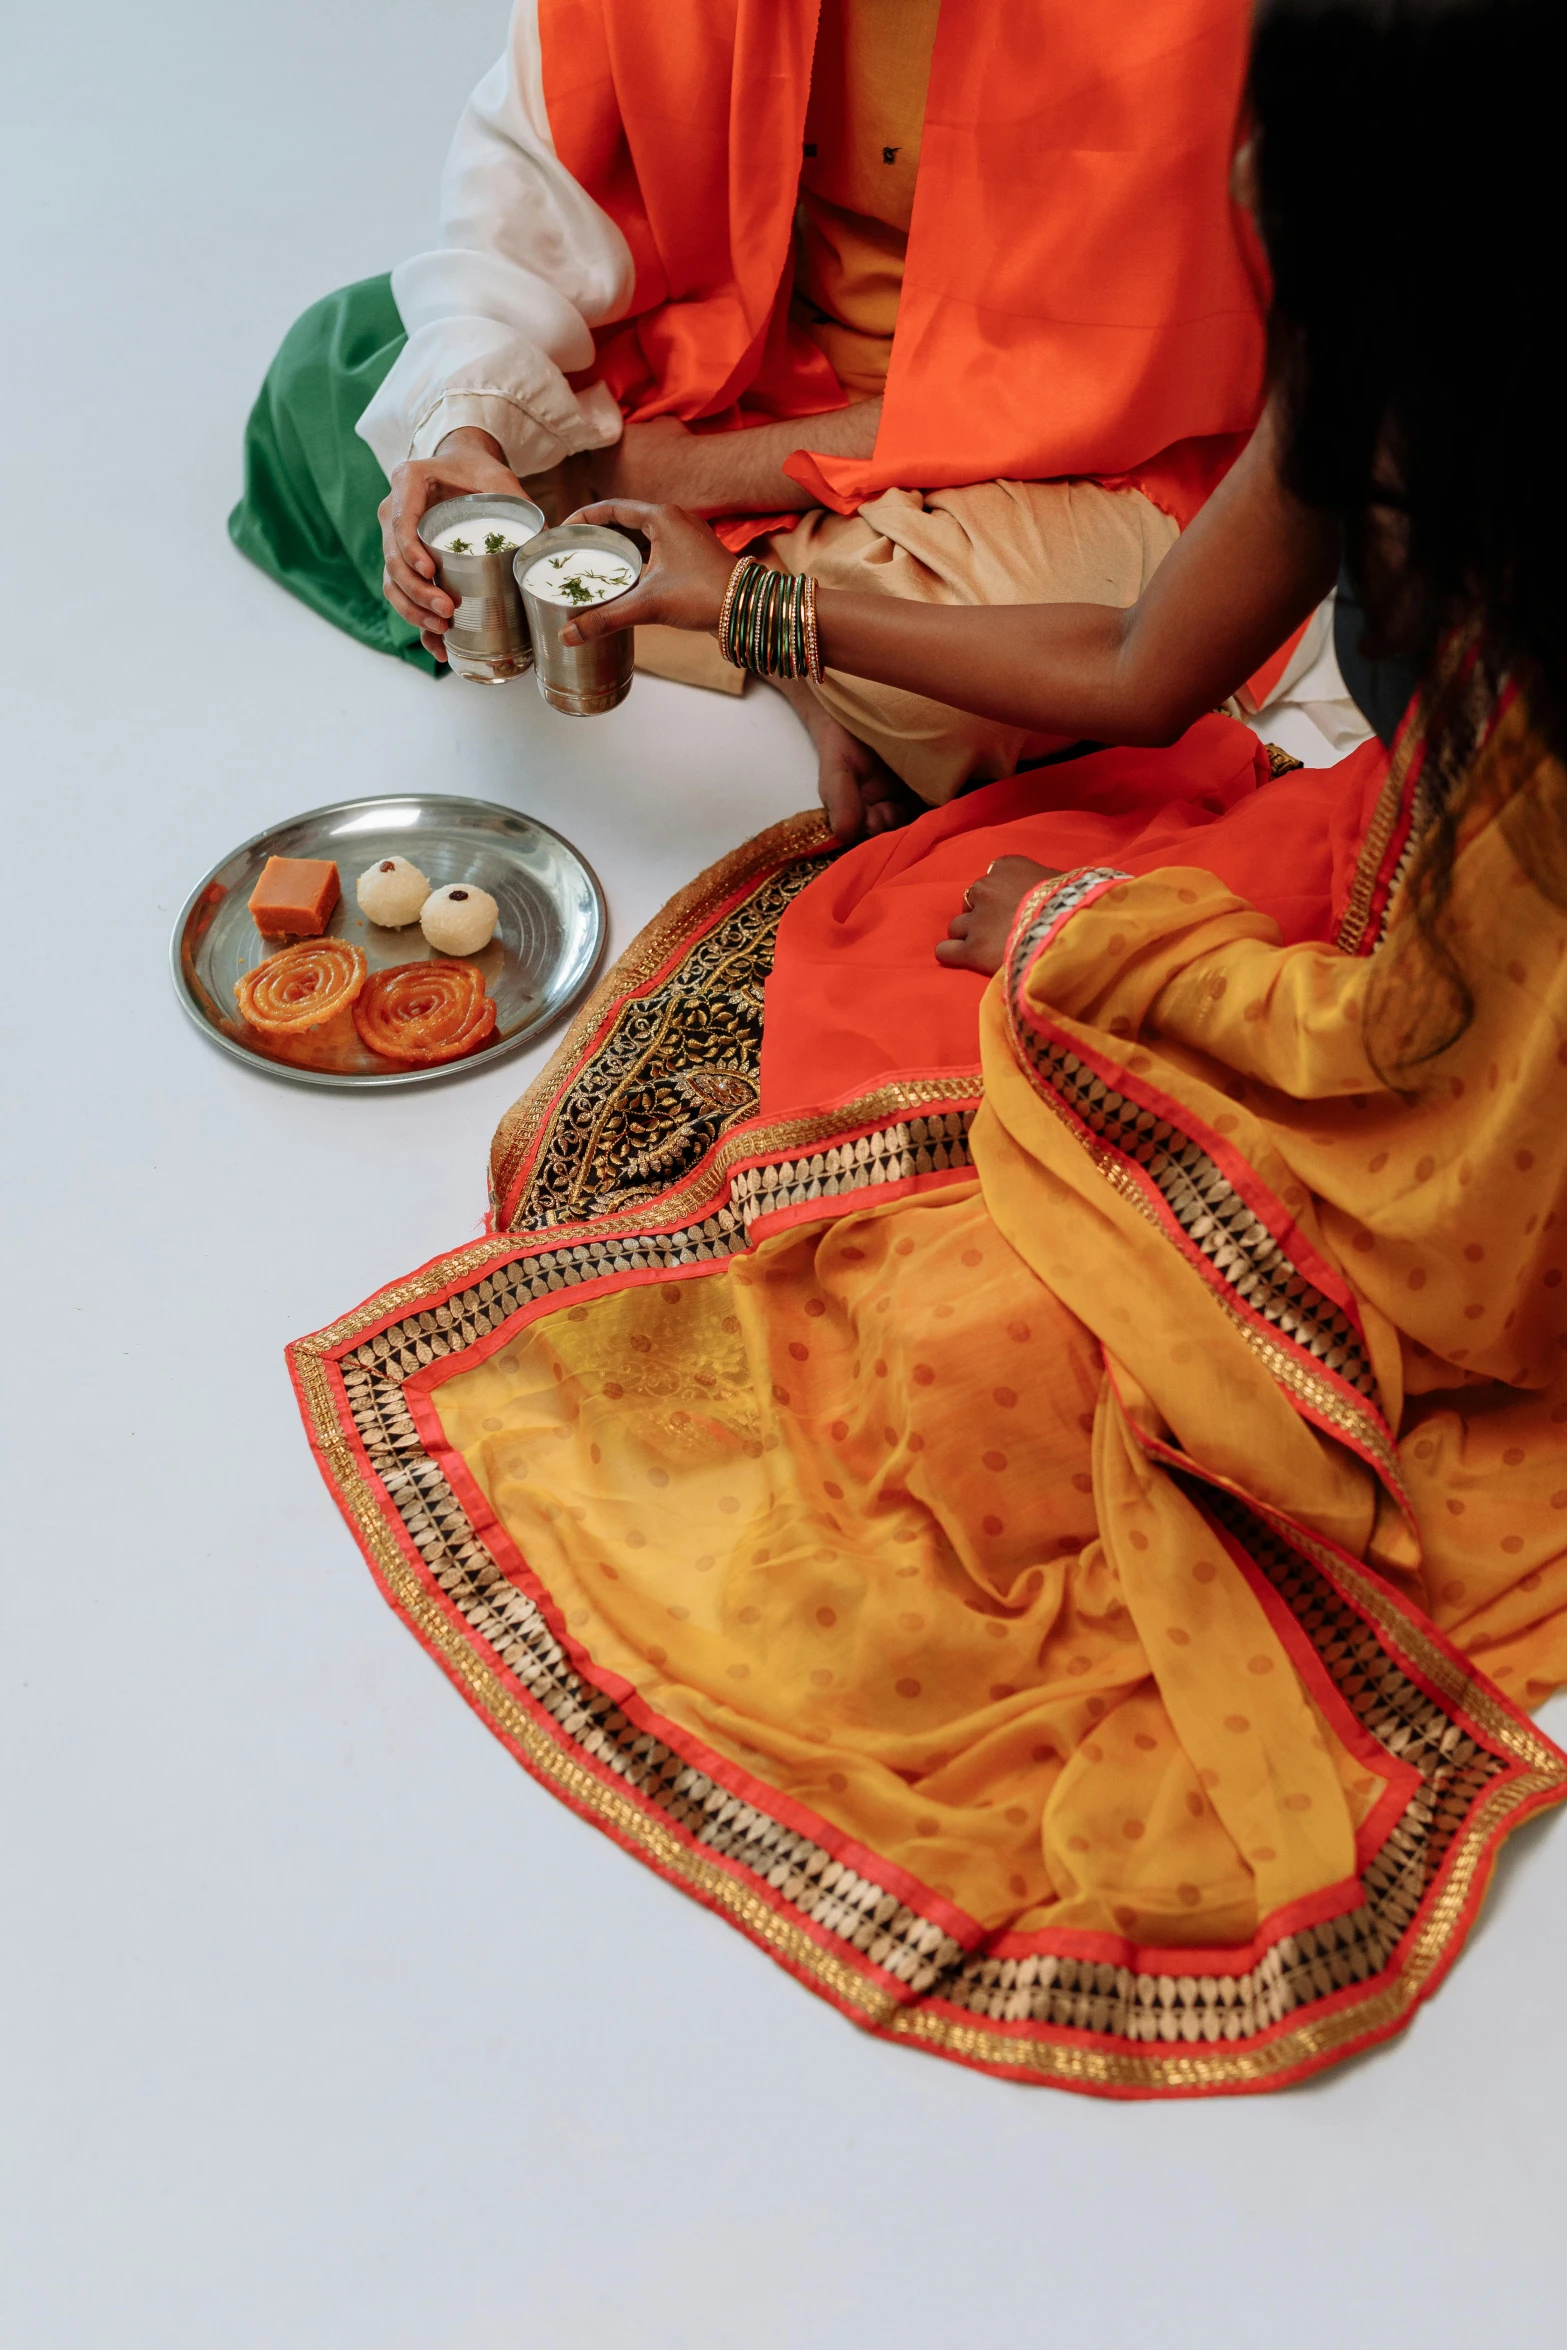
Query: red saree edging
<point x="1396" y="823"/>
<point x="1403" y="1780"/>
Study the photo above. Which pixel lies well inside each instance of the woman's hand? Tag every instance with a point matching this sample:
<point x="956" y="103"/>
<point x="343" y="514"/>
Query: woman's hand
<point x="684" y="581"/>
<point x="467" y="463"/>
<point x="977" y="938"/>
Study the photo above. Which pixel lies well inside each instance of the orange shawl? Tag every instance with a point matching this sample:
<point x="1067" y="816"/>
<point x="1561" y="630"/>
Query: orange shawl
<point x="1080" y="296"/>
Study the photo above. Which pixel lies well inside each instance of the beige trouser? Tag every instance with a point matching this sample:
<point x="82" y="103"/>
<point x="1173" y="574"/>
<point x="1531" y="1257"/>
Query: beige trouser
<point x="993" y="542"/>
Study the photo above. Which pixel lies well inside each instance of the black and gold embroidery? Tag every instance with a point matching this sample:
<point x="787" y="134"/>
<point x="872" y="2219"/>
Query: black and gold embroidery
<point x="1438" y="746"/>
<point x="1210" y="1213"/>
<point x="677" y="1069"/>
<point x="1298" y="1332"/>
<point x="1313" y="1962"/>
<point x="1046" y="908"/>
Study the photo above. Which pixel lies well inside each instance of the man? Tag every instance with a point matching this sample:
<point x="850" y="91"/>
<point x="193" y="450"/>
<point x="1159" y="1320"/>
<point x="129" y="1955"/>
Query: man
<point x="942" y="297"/>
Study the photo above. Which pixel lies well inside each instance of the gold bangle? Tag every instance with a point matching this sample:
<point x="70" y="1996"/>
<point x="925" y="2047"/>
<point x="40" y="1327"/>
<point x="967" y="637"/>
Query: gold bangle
<point x="767" y="622"/>
<point x="742" y="562"/>
<point x="813" y="648"/>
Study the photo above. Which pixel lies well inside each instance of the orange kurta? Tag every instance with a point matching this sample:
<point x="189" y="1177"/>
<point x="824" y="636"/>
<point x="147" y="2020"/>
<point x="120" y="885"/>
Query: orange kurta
<point x="869" y="76"/>
<point x="1079" y="298"/>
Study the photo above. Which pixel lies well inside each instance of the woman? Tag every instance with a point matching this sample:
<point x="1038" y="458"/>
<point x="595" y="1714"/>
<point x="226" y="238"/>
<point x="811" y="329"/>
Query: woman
<point x="1059" y="1551"/>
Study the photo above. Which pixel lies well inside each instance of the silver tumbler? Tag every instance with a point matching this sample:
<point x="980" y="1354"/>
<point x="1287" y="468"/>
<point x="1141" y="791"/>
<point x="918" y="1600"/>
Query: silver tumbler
<point x="488" y="637"/>
<point x="582" y="680"/>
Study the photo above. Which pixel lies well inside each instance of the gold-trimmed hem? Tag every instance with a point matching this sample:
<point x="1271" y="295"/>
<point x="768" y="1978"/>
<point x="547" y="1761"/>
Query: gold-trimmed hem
<point x="1062" y="2062"/>
<point x="1193" y="2061"/>
<point x="542" y="1753"/>
<point x="677" y="922"/>
<point x="1365" y="1429"/>
<point x="1379" y="832"/>
<point x="1309" y="2046"/>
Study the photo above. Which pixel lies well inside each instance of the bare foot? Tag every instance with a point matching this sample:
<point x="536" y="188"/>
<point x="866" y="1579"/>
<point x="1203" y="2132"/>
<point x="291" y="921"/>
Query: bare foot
<point x="859" y="792"/>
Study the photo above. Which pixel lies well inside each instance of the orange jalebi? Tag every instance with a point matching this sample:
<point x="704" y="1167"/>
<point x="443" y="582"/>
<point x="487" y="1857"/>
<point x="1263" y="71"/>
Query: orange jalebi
<point x="302" y="986"/>
<point x="424" y="1012"/>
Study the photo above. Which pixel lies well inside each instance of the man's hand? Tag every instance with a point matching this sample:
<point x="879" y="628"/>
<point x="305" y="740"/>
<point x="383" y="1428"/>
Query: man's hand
<point x="684" y="585"/>
<point x="977" y="939"/>
<point x="859" y="792"/>
<point x="740" y="472"/>
<point x="467" y="463"/>
<point x="660" y="463"/>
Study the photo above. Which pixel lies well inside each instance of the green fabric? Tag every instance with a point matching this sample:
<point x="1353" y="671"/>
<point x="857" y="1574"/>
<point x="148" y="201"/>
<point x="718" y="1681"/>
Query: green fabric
<point x="308" y="515"/>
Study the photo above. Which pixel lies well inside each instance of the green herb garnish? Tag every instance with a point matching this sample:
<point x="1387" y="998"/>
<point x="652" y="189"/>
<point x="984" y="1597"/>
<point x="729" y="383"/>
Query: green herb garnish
<point x="459" y="547"/>
<point x="497" y="543"/>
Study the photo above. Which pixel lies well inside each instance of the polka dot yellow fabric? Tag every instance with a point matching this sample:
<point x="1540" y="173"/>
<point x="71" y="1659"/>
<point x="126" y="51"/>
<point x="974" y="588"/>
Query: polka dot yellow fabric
<point x="1441" y="1204"/>
<point x="834" y="1512"/>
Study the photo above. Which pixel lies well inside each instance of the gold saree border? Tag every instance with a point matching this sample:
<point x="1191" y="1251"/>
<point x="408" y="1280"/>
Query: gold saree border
<point x="493" y="1696"/>
<point x="893" y="1964"/>
<point x="1452" y="719"/>
<point x="689" y="913"/>
<point x="1375" y="869"/>
<point x="1115" y="1118"/>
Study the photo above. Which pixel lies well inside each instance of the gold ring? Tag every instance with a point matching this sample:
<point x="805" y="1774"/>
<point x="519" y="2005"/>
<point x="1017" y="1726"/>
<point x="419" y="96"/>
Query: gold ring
<point x="968" y="897"/>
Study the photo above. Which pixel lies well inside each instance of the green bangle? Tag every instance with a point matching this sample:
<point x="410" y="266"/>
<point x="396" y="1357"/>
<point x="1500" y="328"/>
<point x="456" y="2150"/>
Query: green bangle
<point x="768" y="621"/>
<point x="737" y="577"/>
<point x="742" y="626"/>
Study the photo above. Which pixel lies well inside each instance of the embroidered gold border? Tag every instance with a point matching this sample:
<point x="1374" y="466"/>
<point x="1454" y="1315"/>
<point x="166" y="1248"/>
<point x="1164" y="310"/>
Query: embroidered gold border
<point x="784" y="1138"/>
<point x="1328" y="1402"/>
<point x="1364" y="1428"/>
<point x="789" y="1136"/>
<point x="1373" y="849"/>
<point x="632" y="1822"/>
<point x="936" y="2026"/>
<point x="1314" y="2040"/>
<point x="1455" y="1685"/>
<point x="684" y="916"/>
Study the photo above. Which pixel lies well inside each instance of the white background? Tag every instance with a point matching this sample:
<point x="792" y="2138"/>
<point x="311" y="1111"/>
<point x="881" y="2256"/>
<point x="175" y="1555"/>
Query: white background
<point x="325" y="2029"/>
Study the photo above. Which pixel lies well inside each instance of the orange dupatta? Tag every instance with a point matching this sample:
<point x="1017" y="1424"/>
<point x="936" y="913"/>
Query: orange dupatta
<point x="1080" y="296"/>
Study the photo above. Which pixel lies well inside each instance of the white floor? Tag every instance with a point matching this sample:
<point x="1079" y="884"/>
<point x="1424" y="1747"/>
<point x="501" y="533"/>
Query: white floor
<point x="324" y="2029"/>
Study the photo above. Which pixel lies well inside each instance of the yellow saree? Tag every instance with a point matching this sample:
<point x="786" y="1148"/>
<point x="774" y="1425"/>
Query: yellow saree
<point x="1058" y="1557"/>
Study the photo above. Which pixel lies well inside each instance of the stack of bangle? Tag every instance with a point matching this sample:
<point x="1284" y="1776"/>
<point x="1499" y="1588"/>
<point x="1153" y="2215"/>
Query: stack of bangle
<point x="768" y="623"/>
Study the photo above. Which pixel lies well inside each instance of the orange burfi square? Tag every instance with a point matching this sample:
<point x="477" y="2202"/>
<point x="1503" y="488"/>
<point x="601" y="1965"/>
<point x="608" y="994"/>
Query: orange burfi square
<point x="294" y="897"/>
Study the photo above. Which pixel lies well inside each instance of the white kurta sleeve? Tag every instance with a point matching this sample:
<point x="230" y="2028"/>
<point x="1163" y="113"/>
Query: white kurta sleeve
<point x="526" y="266"/>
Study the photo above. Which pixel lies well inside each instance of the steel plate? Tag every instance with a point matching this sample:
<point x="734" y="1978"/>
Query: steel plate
<point x="539" y="963"/>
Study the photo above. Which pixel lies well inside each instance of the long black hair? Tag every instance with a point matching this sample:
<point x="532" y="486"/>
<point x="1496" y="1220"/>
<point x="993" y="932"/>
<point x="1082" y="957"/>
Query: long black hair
<point x="1410" y="165"/>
